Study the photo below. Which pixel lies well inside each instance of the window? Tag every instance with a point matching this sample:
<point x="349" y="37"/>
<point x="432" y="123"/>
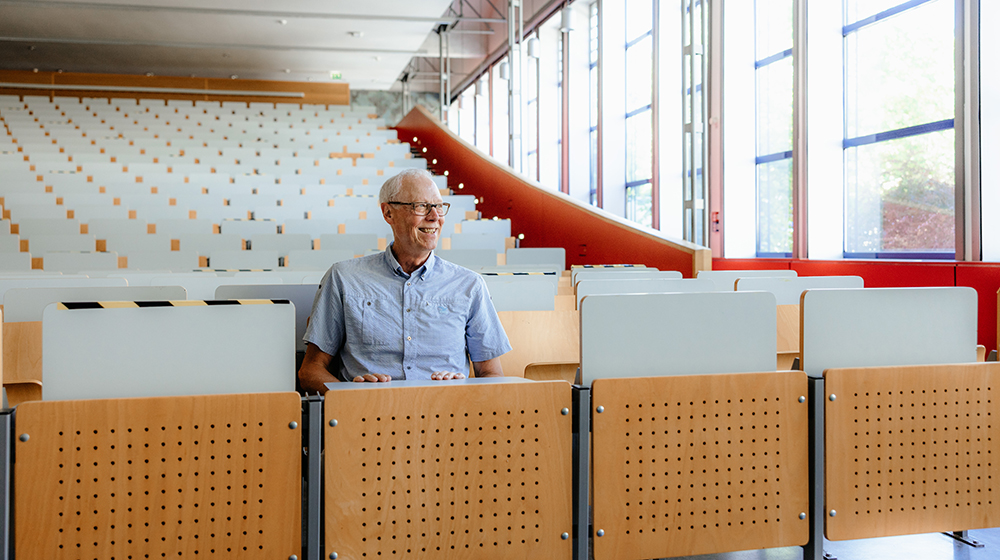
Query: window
<point x="593" y="77"/>
<point x="531" y="97"/>
<point x="638" y="111"/>
<point x="899" y="140"/>
<point x="773" y="71"/>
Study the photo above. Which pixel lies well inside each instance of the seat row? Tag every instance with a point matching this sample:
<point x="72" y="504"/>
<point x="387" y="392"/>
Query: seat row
<point x="694" y="450"/>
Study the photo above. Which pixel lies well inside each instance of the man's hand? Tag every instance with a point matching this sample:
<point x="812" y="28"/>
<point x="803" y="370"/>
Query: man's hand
<point x="372" y="378"/>
<point x="443" y="375"/>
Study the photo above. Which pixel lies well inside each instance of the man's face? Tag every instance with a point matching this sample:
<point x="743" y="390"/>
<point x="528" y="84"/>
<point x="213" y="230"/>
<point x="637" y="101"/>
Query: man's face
<point x="414" y="234"/>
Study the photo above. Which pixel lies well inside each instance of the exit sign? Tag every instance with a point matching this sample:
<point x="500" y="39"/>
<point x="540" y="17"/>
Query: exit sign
<point x="336" y="75"/>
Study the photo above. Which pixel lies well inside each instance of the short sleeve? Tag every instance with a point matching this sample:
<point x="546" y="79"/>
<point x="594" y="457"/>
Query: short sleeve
<point x="485" y="338"/>
<point x="326" y="322"/>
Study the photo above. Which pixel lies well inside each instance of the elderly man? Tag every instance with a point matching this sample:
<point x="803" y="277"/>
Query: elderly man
<point x="404" y="313"/>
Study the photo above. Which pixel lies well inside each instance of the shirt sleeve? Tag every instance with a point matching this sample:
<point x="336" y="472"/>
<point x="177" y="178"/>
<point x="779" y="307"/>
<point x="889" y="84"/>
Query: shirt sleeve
<point x="326" y="322"/>
<point x="485" y="338"/>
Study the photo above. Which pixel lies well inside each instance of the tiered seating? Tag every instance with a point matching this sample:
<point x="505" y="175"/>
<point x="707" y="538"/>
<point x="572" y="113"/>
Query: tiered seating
<point x="244" y="170"/>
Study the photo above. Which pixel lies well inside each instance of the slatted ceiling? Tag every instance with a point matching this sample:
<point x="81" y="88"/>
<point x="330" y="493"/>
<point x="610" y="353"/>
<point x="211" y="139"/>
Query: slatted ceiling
<point x="199" y="477"/>
<point x="911" y="450"/>
<point x="462" y="471"/>
<point x="702" y="464"/>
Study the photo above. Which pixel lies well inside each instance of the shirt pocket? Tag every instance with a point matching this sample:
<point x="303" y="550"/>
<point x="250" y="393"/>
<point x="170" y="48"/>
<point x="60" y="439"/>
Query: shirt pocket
<point x="378" y="322"/>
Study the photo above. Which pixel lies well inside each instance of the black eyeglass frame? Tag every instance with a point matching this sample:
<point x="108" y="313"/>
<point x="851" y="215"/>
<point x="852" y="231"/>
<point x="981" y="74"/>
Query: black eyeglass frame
<point x="441" y="208"/>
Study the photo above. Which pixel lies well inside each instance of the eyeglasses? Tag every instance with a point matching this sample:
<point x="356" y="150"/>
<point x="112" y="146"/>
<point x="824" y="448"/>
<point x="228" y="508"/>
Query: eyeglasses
<point x="424" y="208"/>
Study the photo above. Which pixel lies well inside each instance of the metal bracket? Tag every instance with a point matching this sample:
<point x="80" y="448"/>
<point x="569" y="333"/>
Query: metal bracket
<point x="6" y="482"/>
<point x="312" y="477"/>
<point x="581" y="472"/>
<point x="963" y="537"/>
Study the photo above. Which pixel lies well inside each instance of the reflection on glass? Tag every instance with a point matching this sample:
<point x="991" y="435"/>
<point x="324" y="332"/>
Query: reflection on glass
<point x="774" y="27"/>
<point x="901" y="70"/>
<point x="774" y="207"/>
<point x="639" y="204"/>
<point x="639" y="74"/>
<point x="857" y="10"/>
<point x="900" y="195"/>
<point x="774" y="107"/>
<point x="639" y="147"/>
<point x="638" y="18"/>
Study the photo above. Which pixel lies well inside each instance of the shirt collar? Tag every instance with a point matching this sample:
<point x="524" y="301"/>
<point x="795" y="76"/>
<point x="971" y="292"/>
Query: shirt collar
<point x="421" y="272"/>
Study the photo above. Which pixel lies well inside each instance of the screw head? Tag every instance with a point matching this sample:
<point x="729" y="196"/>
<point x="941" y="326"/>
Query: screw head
<point x="833" y="398"/>
<point x="333" y="556"/>
<point x="565" y="411"/>
<point x="802" y="515"/>
<point x="833" y="513"/>
<point x="802" y="399"/>
<point x="293" y="425"/>
<point x="293" y="557"/>
<point x="24" y="437"/>
<point x="333" y="423"/>
<point x="565" y="536"/>
<point x="600" y="532"/>
<point x="600" y="409"/>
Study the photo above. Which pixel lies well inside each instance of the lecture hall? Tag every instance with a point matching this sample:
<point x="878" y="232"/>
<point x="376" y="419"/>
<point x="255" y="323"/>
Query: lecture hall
<point x="721" y="268"/>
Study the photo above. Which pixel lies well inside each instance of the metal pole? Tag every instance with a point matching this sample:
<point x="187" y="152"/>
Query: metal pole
<point x="447" y="61"/>
<point x="512" y="49"/>
<point x="441" y="92"/>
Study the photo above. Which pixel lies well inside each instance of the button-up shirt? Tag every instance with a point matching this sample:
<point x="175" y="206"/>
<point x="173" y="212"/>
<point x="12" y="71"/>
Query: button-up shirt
<point x="378" y="319"/>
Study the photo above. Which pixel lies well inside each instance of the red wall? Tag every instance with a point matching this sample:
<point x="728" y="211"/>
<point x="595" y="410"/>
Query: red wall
<point x="546" y="218"/>
<point x="984" y="277"/>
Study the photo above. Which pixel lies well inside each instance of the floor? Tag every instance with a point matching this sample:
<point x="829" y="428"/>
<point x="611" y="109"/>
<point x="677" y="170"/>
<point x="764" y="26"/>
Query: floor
<point x="934" y="546"/>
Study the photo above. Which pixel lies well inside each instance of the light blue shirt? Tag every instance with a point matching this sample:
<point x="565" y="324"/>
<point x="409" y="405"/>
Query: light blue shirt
<point x="378" y="319"/>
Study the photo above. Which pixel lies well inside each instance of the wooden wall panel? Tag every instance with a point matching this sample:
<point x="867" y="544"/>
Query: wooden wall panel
<point x="462" y="471"/>
<point x="177" y="477"/>
<point x="911" y="450"/>
<point x="700" y="464"/>
<point x="315" y="93"/>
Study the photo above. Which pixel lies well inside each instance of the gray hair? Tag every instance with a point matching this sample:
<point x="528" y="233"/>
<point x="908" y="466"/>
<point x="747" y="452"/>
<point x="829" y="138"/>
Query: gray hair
<point x="390" y="189"/>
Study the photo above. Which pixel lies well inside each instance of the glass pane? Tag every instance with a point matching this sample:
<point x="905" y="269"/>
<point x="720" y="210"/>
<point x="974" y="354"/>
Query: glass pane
<point x="774" y="107"/>
<point x="638" y="18"/>
<point x="593" y="167"/>
<point x="639" y="204"/>
<point x="900" y="195"/>
<point x="857" y="10"/>
<point x="639" y="147"/>
<point x="774" y="27"/>
<point x="639" y="75"/>
<point x="901" y="71"/>
<point x="774" y="207"/>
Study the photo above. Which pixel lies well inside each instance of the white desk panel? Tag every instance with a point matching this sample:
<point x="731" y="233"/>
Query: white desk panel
<point x="725" y="280"/>
<point x="51" y="280"/>
<point x="200" y="286"/>
<point x="638" y="335"/>
<point x="788" y="290"/>
<point x="167" y="351"/>
<point x="301" y="296"/>
<point x="578" y="269"/>
<point x="630" y="285"/>
<point x="887" y="327"/>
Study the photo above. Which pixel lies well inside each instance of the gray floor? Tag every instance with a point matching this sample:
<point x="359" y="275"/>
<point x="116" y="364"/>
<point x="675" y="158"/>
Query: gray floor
<point x="932" y="546"/>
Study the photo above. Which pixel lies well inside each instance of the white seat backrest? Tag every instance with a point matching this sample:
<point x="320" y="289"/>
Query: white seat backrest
<point x="625" y="274"/>
<point x="586" y="288"/>
<point x="522" y="293"/>
<point x="788" y="290"/>
<point x="91" y="353"/>
<point x="27" y="304"/>
<point x="887" y="327"/>
<point x="725" y="280"/>
<point x="640" y="335"/>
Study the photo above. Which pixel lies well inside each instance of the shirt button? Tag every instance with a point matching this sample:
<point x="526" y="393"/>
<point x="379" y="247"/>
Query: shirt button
<point x="408" y="367"/>
<point x="408" y="338"/>
<point x="407" y="283"/>
<point x="409" y="310"/>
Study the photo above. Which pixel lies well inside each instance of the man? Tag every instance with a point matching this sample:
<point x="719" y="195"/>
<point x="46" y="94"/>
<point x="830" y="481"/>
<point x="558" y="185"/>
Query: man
<point x="404" y="313"/>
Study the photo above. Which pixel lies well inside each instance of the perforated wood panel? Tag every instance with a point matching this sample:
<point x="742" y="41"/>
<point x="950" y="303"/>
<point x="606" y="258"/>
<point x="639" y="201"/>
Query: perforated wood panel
<point x="911" y="450"/>
<point x="466" y="471"/>
<point x="687" y="465"/>
<point x="176" y="477"/>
